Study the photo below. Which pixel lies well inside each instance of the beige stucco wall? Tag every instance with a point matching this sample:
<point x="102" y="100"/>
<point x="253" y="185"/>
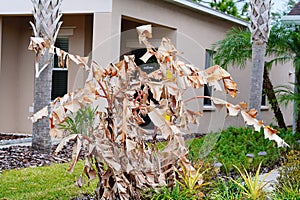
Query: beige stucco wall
<point x="17" y="72"/>
<point x="15" y="77"/>
<point x="77" y="46"/>
<point x="283" y="74"/>
<point x="192" y="33"/>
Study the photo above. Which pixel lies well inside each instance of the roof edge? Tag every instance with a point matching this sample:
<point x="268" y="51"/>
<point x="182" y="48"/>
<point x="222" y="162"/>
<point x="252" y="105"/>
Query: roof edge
<point x="204" y="9"/>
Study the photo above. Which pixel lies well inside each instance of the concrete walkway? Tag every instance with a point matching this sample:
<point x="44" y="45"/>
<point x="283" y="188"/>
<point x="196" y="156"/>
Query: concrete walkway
<point x="271" y="179"/>
<point x="23" y="141"/>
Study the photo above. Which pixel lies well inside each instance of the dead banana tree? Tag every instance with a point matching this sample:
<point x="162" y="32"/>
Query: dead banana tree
<point x="47" y="23"/>
<point x="116" y="151"/>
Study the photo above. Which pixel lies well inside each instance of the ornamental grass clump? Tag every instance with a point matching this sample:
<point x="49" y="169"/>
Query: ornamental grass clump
<point x="192" y="180"/>
<point x="252" y="186"/>
<point x="122" y="95"/>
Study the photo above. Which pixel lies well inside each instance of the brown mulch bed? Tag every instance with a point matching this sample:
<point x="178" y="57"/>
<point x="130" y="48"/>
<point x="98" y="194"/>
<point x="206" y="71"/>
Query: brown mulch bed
<point x="11" y="136"/>
<point x="16" y="157"/>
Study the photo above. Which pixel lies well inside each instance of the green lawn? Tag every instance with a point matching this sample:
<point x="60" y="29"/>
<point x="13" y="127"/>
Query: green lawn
<point x="50" y="182"/>
<point x="228" y="147"/>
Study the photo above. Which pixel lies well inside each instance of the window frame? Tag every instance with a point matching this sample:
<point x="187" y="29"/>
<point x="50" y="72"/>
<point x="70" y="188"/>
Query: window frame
<point x="209" y="62"/>
<point x="55" y="67"/>
<point x="264" y="99"/>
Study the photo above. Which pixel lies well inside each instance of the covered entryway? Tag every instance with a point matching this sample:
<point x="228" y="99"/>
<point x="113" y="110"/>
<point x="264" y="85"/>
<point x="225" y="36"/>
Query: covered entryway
<point x="130" y="46"/>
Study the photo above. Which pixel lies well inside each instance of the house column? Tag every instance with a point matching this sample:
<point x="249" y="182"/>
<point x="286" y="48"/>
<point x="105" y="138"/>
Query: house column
<point x="106" y="42"/>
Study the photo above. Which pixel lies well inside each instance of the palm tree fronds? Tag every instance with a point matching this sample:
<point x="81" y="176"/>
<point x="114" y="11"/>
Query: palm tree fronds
<point x="277" y="60"/>
<point x="233" y="49"/>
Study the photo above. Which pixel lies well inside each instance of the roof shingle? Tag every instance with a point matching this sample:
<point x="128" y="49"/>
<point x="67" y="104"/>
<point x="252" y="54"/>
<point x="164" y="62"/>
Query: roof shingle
<point x="295" y="10"/>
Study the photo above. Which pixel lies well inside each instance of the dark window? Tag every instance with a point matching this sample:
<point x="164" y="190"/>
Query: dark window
<point x="59" y="75"/>
<point x="208" y="89"/>
<point x="263" y="100"/>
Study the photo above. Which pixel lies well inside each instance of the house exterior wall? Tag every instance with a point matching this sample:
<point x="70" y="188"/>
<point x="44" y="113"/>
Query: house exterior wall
<point x="8" y="78"/>
<point x="17" y="66"/>
<point x="282" y="74"/>
<point x="192" y="32"/>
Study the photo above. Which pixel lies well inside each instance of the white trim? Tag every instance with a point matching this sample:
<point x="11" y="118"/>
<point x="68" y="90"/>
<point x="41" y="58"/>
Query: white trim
<point x="209" y="108"/>
<point x="291" y="19"/>
<point x="264" y="108"/>
<point x="202" y="8"/>
<point x="59" y="69"/>
<point x="66" y="31"/>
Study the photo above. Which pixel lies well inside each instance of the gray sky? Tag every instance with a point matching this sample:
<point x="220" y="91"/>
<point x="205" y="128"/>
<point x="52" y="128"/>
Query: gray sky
<point x="279" y="5"/>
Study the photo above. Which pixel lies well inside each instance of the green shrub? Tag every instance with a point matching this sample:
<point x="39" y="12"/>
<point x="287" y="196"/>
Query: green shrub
<point x="233" y="144"/>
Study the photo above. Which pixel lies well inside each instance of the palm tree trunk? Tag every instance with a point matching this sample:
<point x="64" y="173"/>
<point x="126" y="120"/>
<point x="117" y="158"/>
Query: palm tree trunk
<point x="41" y="140"/>
<point x="269" y="91"/>
<point x="258" y="59"/>
<point x="47" y="16"/>
<point x="260" y="14"/>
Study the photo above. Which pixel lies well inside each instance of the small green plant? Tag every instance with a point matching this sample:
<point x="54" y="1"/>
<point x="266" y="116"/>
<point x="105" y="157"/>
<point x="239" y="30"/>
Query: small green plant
<point x="81" y="123"/>
<point x="288" y="186"/>
<point x="191" y="180"/>
<point x="174" y="194"/>
<point x="288" y="190"/>
<point x="224" y="189"/>
<point x="252" y="186"/>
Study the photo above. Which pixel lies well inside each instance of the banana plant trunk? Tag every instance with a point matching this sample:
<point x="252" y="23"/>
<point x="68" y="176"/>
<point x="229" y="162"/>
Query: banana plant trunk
<point x="269" y="91"/>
